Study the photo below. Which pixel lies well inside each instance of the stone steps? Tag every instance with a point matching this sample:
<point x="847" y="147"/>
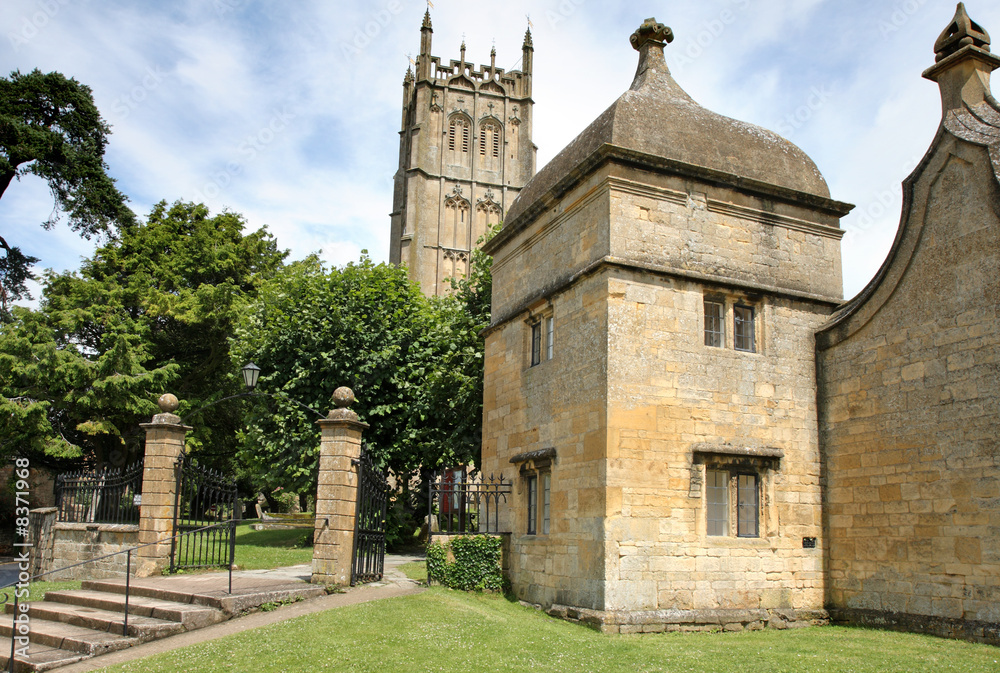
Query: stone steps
<point x="72" y="625"/>
<point x="40" y="657"/>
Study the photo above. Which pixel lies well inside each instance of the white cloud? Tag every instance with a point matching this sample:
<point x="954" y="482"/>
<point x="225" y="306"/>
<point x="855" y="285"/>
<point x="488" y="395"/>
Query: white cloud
<point x="193" y="88"/>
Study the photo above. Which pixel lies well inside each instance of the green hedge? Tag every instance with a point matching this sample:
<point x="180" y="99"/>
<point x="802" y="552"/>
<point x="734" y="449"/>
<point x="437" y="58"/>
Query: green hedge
<point x="477" y="565"/>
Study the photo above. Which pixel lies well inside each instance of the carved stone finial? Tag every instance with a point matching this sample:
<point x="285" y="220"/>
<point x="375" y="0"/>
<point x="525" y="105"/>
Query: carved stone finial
<point x="527" y="39"/>
<point x="343" y="397"/>
<point x="651" y="31"/>
<point x="168" y="403"/>
<point x="427" y="18"/>
<point x="961" y="32"/>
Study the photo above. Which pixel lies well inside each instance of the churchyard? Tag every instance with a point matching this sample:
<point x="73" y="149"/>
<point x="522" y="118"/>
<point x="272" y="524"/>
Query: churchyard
<point x="444" y="630"/>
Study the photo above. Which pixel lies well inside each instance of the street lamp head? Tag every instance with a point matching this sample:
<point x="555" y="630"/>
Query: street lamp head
<point x="250" y="373"/>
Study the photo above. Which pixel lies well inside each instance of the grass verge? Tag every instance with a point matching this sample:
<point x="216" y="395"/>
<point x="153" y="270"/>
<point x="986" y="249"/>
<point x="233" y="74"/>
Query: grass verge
<point x="442" y="630"/>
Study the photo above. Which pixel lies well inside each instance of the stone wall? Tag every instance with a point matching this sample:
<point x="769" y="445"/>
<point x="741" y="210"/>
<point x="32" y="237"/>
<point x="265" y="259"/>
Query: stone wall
<point x="636" y="407"/>
<point x="529" y="408"/>
<point x="58" y="545"/>
<point x="677" y="407"/>
<point x="909" y="392"/>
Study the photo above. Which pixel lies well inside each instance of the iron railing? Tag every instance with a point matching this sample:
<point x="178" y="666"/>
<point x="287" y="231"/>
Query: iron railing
<point x="108" y="495"/>
<point x="204" y="497"/>
<point x="461" y="502"/>
<point x="369" y="523"/>
<point x="16" y="638"/>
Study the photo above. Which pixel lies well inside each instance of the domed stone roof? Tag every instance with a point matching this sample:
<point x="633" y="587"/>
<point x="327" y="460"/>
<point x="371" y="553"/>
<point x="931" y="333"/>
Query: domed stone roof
<point x="657" y="117"/>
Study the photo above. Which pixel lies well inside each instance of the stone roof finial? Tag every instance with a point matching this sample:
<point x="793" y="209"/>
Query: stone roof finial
<point x="427" y="19"/>
<point x="961" y="32"/>
<point x="527" y="39"/>
<point x="651" y="31"/>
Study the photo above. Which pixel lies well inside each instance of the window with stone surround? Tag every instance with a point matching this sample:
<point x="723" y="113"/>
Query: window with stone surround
<point x="715" y="323"/>
<point x="720" y="311"/>
<point x="723" y="511"/>
<point x="531" y="483"/>
<point x="536" y="473"/>
<point x="542" y="340"/>
<point x="744" y="332"/>
<point x="735" y="481"/>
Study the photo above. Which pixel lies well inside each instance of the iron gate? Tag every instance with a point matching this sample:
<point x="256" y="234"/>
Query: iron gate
<point x="369" y="522"/>
<point x="206" y="509"/>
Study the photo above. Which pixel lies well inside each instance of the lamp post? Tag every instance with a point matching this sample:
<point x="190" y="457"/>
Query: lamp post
<point x="250" y="373"/>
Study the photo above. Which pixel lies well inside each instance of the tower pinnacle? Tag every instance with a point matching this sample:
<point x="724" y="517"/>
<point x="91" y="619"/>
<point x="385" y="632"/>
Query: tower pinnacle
<point x="961" y="32"/>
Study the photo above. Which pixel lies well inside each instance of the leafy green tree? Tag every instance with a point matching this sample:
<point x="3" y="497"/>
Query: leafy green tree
<point x="58" y="400"/>
<point x="152" y="310"/>
<point x="50" y="127"/>
<point x="415" y="365"/>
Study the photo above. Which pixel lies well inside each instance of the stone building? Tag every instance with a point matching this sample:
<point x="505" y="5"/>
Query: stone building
<point x="910" y="383"/>
<point x="685" y="455"/>
<point x="650" y="368"/>
<point x="465" y="151"/>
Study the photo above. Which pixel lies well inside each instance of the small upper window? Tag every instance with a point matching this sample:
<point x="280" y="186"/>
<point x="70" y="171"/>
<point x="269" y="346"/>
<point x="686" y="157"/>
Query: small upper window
<point x="549" y="338"/>
<point x="542" y="340"/>
<point x="743" y="329"/>
<point x="714" y="323"/>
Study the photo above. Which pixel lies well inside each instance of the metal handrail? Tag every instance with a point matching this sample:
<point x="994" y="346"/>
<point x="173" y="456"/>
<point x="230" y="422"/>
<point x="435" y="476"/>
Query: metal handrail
<point x="231" y="523"/>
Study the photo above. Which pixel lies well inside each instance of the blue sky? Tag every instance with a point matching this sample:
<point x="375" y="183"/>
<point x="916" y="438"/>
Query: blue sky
<point x="288" y="112"/>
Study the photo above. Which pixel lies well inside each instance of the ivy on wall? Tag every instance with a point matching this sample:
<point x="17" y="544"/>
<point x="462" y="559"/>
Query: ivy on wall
<point x="476" y="566"/>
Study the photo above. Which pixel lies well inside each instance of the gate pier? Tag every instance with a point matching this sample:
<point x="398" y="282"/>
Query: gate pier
<point x="337" y="492"/>
<point x="164" y="445"/>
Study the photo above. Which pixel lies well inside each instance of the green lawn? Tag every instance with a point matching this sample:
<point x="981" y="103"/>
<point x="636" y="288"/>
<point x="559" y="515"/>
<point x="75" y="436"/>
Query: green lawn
<point x="443" y="630"/>
<point x="265" y="549"/>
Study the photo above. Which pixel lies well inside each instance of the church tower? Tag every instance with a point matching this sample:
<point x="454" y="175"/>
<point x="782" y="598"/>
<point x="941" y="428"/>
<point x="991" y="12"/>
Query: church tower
<point x="465" y="152"/>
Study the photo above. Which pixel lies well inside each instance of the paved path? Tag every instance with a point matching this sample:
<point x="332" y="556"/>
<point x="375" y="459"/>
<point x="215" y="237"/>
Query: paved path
<point x="393" y="584"/>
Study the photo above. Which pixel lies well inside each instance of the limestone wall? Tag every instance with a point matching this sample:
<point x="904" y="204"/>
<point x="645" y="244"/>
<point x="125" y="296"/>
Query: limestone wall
<point x="556" y="404"/>
<point x="676" y="407"/>
<point x="722" y="233"/>
<point x="73" y="543"/>
<point x="909" y="393"/>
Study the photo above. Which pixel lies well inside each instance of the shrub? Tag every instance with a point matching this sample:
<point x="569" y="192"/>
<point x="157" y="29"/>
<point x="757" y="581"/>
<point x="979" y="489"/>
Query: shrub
<point x="477" y="565"/>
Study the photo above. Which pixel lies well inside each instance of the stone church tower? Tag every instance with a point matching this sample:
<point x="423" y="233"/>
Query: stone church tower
<point x="465" y="152"/>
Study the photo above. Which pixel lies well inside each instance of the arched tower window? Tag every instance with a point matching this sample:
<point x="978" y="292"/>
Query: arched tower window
<point x="490" y="139"/>
<point x="459" y="140"/>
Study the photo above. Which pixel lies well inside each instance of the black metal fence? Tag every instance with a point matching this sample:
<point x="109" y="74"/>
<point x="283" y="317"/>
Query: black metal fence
<point x="462" y="502"/>
<point x="205" y="499"/>
<point x="109" y="495"/>
<point x="369" y="523"/>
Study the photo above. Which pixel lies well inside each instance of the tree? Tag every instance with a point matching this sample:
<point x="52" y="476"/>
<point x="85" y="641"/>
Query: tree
<point x="50" y="127"/>
<point x="414" y="364"/>
<point x="151" y="311"/>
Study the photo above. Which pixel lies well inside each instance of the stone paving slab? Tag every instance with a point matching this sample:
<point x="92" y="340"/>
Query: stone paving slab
<point x="191" y="616"/>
